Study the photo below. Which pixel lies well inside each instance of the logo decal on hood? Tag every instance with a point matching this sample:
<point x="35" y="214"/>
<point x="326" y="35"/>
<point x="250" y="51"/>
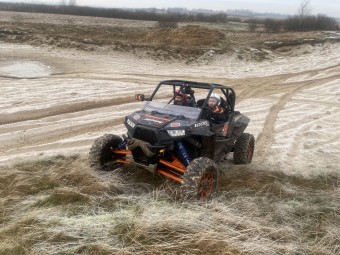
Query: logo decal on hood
<point x="153" y="120"/>
<point x="201" y="124"/>
<point x="154" y="117"/>
<point x="175" y="124"/>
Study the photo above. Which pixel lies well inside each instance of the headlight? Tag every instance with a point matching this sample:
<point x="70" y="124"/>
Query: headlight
<point x="130" y="123"/>
<point x="176" y="132"/>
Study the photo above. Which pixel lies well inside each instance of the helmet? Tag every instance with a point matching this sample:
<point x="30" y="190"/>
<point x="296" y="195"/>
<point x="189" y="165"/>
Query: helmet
<point x="213" y="95"/>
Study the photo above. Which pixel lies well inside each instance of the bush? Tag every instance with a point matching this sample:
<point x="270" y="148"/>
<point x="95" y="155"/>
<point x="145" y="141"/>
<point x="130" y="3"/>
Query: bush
<point x="167" y="24"/>
<point x="272" y="25"/>
<point x="252" y="24"/>
<point x="310" y="23"/>
<point x="234" y="19"/>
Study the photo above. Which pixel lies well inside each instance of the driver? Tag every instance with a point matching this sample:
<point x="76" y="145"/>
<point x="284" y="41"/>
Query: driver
<point x="182" y="99"/>
<point x="214" y="113"/>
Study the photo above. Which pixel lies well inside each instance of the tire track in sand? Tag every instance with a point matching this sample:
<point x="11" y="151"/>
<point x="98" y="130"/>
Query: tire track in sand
<point x="61" y="109"/>
<point x="266" y="137"/>
<point x="62" y="133"/>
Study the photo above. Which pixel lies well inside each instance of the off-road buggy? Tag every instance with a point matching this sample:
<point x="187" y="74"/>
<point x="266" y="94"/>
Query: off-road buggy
<point x="174" y="141"/>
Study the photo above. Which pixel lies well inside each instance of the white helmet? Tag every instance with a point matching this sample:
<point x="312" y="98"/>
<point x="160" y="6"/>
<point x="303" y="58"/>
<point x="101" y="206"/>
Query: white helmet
<point x="213" y="95"/>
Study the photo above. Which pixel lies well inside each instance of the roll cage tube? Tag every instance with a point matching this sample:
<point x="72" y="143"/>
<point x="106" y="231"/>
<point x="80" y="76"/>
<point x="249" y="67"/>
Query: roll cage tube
<point x="181" y="89"/>
<point x="230" y="96"/>
<point x="174" y="90"/>
<point x="228" y="92"/>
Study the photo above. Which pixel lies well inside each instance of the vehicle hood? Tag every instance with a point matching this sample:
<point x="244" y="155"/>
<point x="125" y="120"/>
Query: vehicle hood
<point x="158" y="120"/>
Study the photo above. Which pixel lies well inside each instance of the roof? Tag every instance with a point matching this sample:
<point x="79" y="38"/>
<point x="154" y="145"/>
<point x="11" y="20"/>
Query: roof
<point x="195" y="84"/>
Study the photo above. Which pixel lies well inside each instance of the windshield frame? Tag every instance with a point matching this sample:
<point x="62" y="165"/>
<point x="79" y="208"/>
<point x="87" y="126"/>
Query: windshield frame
<point x="171" y="109"/>
<point x="227" y="91"/>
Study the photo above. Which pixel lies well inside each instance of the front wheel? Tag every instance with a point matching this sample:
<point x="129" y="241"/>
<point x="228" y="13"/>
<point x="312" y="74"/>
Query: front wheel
<point x="101" y="156"/>
<point x="201" y="179"/>
<point x="244" y="149"/>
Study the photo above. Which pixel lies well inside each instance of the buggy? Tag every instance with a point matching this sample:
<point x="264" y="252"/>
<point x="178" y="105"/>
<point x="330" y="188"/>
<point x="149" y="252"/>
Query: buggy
<point x="174" y="141"/>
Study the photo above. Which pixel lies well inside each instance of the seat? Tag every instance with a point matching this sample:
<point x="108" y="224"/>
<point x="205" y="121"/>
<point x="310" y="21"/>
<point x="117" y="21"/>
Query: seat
<point x="200" y="103"/>
<point x="191" y="101"/>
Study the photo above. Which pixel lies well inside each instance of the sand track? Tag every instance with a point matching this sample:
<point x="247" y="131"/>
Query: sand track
<point x="59" y="110"/>
<point x="294" y="109"/>
<point x="265" y="139"/>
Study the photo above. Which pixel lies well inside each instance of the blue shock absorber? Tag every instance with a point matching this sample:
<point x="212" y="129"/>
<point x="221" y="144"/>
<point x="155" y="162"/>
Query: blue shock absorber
<point x="122" y="145"/>
<point x="183" y="152"/>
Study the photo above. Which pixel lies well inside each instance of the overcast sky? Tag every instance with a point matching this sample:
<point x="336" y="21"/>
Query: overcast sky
<point x="328" y="7"/>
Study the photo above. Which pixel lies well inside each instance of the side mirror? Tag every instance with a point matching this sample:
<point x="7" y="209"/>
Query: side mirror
<point x="140" y="97"/>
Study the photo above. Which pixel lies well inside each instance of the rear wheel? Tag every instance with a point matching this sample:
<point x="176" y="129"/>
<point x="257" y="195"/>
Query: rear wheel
<point x="200" y="180"/>
<point x="244" y="149"/>
<point x="101" y="156"/>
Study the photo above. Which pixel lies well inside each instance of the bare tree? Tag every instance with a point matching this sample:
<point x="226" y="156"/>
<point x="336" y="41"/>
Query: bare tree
<point x="304" y="9"/>
<point x="252" y="25"/>
<point x="272" y="25"/>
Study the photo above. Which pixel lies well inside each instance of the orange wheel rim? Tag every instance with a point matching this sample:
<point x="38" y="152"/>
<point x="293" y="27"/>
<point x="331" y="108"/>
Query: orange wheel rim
<point x="116" y="160"/>
<point x="206" y="185"/>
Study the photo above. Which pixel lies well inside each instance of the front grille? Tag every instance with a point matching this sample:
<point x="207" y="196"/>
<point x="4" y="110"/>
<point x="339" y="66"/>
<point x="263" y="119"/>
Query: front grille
<point x="139" y="156"/>
<point x="145" y="135"/>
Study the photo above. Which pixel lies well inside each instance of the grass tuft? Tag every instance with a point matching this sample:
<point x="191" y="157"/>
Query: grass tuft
<point x="65" y="196"/>
<point x="61" y="206"/>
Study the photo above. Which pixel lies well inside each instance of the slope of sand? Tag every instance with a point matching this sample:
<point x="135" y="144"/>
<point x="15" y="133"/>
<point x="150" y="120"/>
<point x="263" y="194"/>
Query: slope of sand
<point x="307" y="129"/>
<point x="73" y="97"/>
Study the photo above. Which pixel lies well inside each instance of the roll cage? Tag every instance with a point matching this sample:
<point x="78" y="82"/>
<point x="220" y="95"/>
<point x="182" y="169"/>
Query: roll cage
<point x="187" y="86"/>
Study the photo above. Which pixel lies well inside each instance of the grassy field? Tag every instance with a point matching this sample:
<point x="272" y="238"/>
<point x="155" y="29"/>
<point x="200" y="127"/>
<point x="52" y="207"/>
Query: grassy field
<point x="60" y="206"/>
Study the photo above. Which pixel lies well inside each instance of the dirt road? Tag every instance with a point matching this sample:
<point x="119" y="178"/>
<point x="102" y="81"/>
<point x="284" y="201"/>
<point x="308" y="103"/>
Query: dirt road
<point x="57" y="101"/>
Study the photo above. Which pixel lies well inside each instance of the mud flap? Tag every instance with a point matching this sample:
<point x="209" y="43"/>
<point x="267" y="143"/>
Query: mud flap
<point x="239" y="124"/>
<point x="208" y="146"/>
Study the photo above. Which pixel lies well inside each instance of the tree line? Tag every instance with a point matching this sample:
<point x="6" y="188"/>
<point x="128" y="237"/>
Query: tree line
<point x="295" y="24"/>
<point x="72" y="9"/>
<point x="303" y="21"/>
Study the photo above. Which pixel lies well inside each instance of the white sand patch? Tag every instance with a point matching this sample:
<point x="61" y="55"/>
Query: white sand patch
<point x="24" y="69"/>
<point x="307" y="131"/>
<point x="314" y="76"/>
<point x="257" y="110"/>
<point x="23" y="95"/>
<point x="322" y="57"/>
<point x="67" y="147"/>
<point x="123" y="64"/>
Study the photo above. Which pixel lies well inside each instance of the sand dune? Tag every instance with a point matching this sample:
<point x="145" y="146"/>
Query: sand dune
<point x="307" y="131"/>
<point x="295" y="118"/>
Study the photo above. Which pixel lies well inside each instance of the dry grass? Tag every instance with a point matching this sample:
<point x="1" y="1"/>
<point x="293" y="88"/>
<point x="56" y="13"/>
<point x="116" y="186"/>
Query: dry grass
<point x="187" y="36"/>
<point x="60" y="206"/>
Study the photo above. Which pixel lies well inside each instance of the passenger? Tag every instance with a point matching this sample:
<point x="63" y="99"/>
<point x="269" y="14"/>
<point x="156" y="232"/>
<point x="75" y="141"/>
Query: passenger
<point x="214" y="113"/>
